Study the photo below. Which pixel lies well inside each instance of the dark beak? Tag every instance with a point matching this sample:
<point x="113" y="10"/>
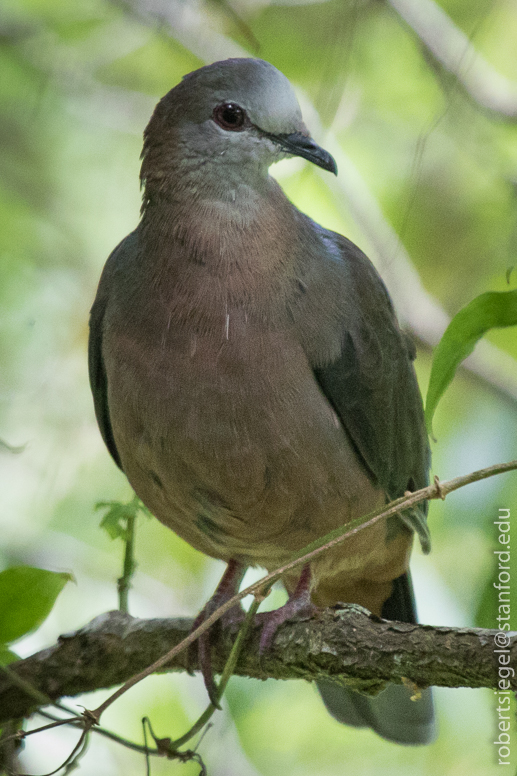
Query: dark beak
<point x="298" y="144"/>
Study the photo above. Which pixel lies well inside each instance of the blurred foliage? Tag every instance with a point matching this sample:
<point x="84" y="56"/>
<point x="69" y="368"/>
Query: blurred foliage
<point x="78" y="84"/>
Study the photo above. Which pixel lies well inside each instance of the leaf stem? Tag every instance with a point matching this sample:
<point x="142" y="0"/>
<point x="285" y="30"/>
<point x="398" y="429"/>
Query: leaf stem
<point x="124" y="582"/>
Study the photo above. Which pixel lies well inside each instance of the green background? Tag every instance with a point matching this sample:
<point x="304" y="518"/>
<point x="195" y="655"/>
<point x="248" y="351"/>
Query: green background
<point x="420" y="160"/>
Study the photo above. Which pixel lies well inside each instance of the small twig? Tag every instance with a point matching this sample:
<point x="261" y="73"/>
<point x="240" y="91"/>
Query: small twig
<point x="165" y="749"/>
<point x="20" y="735"/>
<point x="146" y="747"/>
<point x="80" y="752"/>
<point x="225" y="677"/>
<point x="76" y="752"/>
<point x="438" y="486"/>
<point x="100" y="731"/>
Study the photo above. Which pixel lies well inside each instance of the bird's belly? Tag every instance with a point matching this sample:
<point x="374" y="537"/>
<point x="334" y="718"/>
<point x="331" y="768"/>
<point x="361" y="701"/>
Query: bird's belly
<point x="231" y="443"/>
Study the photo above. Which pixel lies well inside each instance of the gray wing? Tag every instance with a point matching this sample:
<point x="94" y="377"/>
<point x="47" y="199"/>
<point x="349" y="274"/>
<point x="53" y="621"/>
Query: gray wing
<point x="373" y="389"/>
<point x="123" y="253"/>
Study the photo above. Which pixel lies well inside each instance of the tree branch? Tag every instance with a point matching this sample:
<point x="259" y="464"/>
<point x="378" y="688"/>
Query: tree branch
<point x="345" y="642"/>
<point x="110" y="662"/>
<point x="449" y="45"/>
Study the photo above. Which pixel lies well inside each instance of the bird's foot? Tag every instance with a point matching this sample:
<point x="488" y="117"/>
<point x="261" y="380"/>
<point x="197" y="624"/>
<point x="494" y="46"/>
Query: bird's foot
<point x="298" y="605"/>
<point x="225" y="590"/>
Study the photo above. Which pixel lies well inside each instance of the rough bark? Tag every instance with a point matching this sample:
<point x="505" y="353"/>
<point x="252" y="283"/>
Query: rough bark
<point x="348" y="644"/>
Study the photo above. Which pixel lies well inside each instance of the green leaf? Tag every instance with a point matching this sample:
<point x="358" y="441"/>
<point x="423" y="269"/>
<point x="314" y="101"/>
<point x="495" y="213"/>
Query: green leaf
<point x="115" y="520"/>
<point x="27" y="596"/>
<point x="488" y="311"/>
<point x="7" y="656"/>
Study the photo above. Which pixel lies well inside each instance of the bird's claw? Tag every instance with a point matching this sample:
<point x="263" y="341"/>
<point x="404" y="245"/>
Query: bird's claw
<point x="293" y="609"/>
<point x="299" y="605"/>
<point x="226" y="589"/>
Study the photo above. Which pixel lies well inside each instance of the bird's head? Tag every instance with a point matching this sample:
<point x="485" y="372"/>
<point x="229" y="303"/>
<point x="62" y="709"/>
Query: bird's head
<point x="226" y="124"/>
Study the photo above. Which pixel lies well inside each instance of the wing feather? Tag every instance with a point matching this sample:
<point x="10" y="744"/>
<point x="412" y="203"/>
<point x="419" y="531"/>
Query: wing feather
<point x="373" y="389"/>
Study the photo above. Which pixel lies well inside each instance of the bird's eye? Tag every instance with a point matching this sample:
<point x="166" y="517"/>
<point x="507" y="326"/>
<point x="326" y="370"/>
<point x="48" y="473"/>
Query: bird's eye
<point x="231" y="117"/>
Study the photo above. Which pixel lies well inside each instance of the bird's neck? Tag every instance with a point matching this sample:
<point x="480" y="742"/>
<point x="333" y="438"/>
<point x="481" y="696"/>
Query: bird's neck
<point x="226" y="228"/>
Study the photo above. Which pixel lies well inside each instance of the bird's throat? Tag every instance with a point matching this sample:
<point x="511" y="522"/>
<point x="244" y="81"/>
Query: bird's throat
<point x="238" y="232"/>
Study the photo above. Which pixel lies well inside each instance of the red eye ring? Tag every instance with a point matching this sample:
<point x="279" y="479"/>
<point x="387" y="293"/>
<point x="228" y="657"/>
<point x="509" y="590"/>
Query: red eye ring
<point x="230" y="117"/>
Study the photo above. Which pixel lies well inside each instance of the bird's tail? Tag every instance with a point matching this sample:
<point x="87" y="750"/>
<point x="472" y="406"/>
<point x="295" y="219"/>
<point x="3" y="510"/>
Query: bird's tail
<point x="392" y="713"/>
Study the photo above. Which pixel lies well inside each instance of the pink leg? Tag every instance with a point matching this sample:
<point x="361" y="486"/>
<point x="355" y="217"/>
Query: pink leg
<point x="226" y="588"/>
<point x="299" y="603"/>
